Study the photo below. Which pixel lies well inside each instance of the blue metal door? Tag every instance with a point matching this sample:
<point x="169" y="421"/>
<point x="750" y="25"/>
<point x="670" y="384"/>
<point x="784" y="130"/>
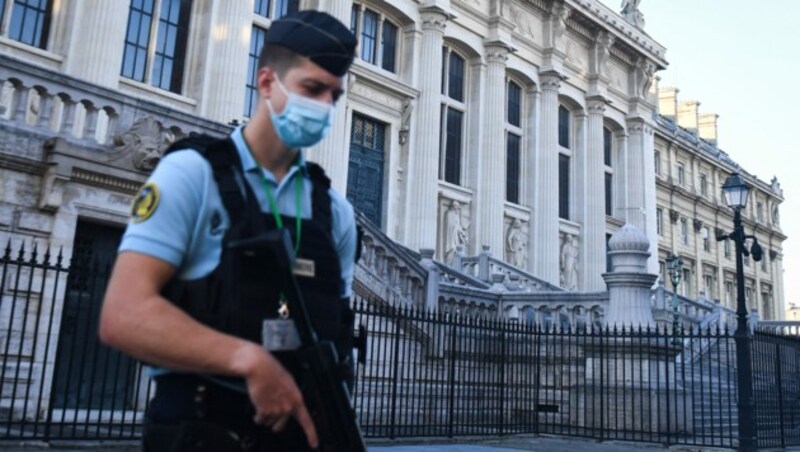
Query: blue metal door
<point x="365" y="175"/>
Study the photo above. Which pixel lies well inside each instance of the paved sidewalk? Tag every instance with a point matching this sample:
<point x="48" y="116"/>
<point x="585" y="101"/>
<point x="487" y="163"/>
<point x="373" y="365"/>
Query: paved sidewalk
<point x="507" y="444"/>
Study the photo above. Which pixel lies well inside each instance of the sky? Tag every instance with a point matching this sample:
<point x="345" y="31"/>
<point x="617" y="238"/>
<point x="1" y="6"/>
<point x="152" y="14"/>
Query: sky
<point x="739" y="59"/>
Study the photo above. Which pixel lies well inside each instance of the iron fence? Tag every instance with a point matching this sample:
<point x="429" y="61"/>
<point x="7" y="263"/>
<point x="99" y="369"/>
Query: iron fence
<point x="436" y="374"/>
<point x="776" y="389"/>
<point x="425" y="373"/>
<point x="57" y="380"/>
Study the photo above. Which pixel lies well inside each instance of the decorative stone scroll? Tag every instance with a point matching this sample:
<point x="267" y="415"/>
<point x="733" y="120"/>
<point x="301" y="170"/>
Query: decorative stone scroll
<point x="145" y="142"/>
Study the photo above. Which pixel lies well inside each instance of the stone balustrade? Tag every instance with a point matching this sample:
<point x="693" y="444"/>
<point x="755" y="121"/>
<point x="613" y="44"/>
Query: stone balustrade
<point x="702" y="312"/>
<point x="783" y="327"/>
<point x="389" y="270"/>
<point x="40" y="102"/>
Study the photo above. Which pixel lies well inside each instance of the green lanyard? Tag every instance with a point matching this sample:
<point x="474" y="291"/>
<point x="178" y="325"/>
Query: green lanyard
<point x="273" y="205"/>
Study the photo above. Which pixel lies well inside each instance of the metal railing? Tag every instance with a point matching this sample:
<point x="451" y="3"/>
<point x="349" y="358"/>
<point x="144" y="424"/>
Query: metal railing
<point x="776" y="388"/>
<point x="426" y="372"/>
<point x="57" y="381"/>
<point x="436" y="374"/>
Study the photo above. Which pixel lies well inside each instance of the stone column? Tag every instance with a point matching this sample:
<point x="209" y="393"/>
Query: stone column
<point x="546" y="264"/>
<point x="423" y="158"/>
<point x="226" y="61"/>
<point x="594" y="221"/>
<point x="641" y="210"/>
<point x="490" y="193"/>
<point x="97" y="41"/>
<point x="333" y="153"/>
<point x="778" y="295"/>
<point x="531" y="150"/>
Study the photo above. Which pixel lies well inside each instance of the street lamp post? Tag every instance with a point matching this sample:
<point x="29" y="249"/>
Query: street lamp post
<point x="736" y="191"/>
<point x="675" y="268"/>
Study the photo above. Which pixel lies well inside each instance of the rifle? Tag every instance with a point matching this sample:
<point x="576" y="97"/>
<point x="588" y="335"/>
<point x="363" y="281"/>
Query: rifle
<point x="326" y="396"/>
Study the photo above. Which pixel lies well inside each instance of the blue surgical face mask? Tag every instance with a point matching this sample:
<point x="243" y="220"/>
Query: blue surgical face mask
<point x="303" y="122"/>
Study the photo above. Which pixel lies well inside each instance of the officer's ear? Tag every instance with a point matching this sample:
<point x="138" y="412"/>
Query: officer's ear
<point x="266" y="81"/>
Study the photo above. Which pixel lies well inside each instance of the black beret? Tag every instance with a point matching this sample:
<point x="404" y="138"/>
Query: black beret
<point x="318" y="36"/>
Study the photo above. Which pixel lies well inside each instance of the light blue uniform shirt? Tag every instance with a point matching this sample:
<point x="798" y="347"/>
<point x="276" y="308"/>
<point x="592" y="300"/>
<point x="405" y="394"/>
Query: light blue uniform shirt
<point x="187" y="226"/>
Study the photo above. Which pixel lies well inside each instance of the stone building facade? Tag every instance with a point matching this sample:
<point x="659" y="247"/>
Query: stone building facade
<point x="528" y="126"/>
<point x="691" y="212"/>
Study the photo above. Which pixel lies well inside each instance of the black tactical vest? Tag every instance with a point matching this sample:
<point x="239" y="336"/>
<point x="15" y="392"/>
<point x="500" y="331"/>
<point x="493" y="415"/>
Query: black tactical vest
<point x="242" y="291"/>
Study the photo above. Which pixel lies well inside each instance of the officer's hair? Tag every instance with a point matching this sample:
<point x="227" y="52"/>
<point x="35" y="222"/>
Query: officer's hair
<point x="278" y="58"/>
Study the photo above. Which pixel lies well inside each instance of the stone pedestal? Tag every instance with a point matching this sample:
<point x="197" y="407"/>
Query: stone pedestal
<point x="630" y="389"/>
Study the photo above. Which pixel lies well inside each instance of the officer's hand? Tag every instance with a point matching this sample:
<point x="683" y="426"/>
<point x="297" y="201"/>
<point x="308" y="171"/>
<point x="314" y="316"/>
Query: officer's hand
<point x="275" y="395"/>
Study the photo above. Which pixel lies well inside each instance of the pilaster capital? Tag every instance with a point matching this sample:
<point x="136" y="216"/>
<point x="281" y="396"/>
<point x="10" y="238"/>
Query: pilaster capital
<point x="596" y="105"/>
<point x="551" y="80"/>
<point x="497" y="52"/>
<point x="639" y="125"/>
<point x="434" y="18"/>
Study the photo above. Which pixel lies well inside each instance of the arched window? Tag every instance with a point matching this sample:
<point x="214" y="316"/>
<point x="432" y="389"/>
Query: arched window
<point x="161" y="66"/>
<point x="513" y="141"/>
<point x="377" y="37"/>
<point x="452" y="116"/>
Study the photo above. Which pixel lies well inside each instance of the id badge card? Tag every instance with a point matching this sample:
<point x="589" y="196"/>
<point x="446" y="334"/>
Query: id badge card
<point x="280" y="335"/>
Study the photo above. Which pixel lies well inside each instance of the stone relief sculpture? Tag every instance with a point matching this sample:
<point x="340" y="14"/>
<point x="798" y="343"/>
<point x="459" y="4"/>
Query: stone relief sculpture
<point x="455" y="230"/>
<point x="405" y="120"/>
<point x="569" y="262"/>
<point x="521" y="20"/>
<point x="145" y="142"/>
<point x="516" y="244"/>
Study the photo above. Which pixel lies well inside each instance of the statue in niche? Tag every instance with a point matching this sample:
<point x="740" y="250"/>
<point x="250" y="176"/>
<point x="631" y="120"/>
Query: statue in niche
<point x="455" y="231"/>
<point x="516" y="244"/>
<point x="569" y="262"/>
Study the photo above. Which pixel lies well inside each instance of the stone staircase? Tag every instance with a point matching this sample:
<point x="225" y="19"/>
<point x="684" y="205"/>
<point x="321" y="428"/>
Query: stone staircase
<point x="712" y="379"/>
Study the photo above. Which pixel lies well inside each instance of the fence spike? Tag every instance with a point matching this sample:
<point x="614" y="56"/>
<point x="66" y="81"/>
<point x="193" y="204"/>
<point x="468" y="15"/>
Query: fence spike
<point x="21" y="253"/>
<point x="35" y="252"/>
<point x="7" y="253"/>
<point x="60" y="258"/>
<point x="46" y="257"/>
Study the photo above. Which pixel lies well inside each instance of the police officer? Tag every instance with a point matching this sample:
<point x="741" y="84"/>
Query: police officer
<point x="182" y="298"/>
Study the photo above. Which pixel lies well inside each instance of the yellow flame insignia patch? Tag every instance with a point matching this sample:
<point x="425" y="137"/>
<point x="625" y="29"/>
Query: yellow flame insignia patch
<point x="145" y="203"/>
